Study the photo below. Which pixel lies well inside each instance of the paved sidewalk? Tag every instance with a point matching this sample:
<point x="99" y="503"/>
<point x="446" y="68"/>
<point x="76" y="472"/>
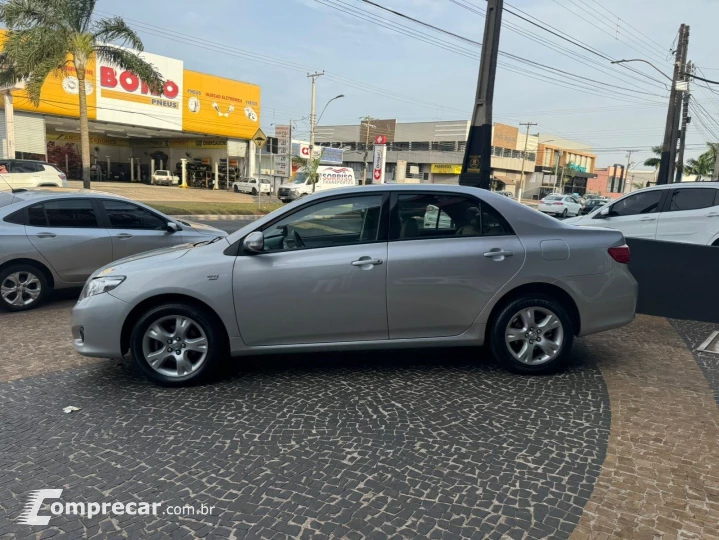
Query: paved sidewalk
<point x="147" y="193"/>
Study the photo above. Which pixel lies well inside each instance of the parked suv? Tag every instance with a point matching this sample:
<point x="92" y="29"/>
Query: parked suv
<point x="687" y="213"/>
<point x="164" y="178"/>
<point x="25" y="173"/>
<point x="249" y="185"/>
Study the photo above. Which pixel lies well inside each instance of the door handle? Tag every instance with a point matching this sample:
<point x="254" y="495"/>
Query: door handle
<point x="367" y="262"/>
<point x="123" y="236"/>
<point x="46" y="235"/>
<point x="648" y="219"/>
<point x="713" y="214"/>
<point x="499" y="253"/>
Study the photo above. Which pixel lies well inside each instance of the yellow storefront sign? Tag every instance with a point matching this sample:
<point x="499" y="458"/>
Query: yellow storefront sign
<point x="445" y="168"/>
<point x="220" y="106"/>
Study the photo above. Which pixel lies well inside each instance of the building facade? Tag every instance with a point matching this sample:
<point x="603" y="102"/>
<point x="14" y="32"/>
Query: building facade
<point x="203" y="118"/>
<point x="432" y="152"/>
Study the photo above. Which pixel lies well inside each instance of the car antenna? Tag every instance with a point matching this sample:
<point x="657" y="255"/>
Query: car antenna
<point x="12" y="189"/>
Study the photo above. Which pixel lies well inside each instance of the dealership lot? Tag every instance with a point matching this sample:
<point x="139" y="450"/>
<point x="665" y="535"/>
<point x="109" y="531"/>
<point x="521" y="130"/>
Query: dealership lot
<point x="431" y="444"/>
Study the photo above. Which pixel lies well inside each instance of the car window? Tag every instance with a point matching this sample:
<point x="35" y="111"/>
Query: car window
<point x="692" y="199"/>
<point x="640" y="203"/>
<point x="350" y="220"/>
<point x="253" y="181"/>
<point x="553" y="198"/>
<point x="124" y="215"/>
<point x="36" y="216"/>
<point x="76" y="213"/>
<point x="25" y="167"/>
<point x="439" y="215"/>
<point x="18" y="217"/>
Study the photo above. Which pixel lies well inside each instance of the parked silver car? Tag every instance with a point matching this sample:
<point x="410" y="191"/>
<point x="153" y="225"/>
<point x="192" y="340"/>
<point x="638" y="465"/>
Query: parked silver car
<point x="56" y="239"/>
<point x="362" y="268"/>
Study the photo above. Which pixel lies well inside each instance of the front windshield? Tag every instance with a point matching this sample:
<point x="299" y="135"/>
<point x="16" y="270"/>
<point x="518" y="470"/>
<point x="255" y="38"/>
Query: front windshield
<point x="301" y="178"/>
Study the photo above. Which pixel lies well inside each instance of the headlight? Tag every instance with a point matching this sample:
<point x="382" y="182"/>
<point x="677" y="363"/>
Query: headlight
<point x="100" y="285"/>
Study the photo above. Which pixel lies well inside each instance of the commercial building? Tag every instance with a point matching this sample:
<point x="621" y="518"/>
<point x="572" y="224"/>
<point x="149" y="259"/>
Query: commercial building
<point x="432" y="152"/>
<point x="203" y="118"/>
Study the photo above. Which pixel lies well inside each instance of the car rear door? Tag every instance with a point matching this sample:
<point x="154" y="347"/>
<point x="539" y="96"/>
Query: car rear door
<point x="691" y="216"/>
<point x="441" y="276"/>
<point x="636" y="215"/>
<point x="68" y="234"/>
<point x="135" y="229"/>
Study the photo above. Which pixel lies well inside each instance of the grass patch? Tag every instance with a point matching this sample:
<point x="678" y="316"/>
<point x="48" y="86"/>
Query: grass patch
<point x="200" y="208"/>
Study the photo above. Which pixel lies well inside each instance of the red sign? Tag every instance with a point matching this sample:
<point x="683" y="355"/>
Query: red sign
<point x="131" y="82"/>
<point x="380" y="139"/>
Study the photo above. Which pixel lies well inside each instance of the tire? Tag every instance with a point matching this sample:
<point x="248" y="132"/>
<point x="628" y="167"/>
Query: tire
<point x="34" y="281"/>
<point x="565" y="212"/>
<point x="236" y="189"/>
<point x="254" y="191"/>
<point x="198" y="365"/>
<point x="512" y="318"/>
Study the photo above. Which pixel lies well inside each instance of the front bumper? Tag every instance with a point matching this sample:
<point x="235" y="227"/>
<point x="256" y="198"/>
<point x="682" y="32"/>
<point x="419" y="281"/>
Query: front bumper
<point x="287" y="196"/>
<point x="96" y="324"/>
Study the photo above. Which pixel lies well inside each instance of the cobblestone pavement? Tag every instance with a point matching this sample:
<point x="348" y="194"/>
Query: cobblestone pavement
<point x="432" y="444"/>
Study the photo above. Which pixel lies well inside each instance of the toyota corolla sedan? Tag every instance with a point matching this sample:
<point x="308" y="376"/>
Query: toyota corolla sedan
<point x="56" y="239"/>
<point x="363" y="268"/>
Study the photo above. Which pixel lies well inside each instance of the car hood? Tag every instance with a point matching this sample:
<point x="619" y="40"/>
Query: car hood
<point x="574" y="220"/>
<point x="291" y="185"/>
<point x="201" y="228"/>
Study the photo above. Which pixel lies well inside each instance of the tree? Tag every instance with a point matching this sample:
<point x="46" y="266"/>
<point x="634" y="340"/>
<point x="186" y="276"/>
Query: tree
<point x="703" y="165"/>
<point x="656" y="160"/>
<point x="312" y="166"/>
<point x="53" y="37"/>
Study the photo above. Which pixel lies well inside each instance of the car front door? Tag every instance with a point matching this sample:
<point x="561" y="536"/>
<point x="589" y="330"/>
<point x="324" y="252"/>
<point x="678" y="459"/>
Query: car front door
<point x="692" y="216"/>
<point x="68" y="234"/>
<point x="443" y="272"/>
<point x="321" y="277"/>
<point x="636" y="215"/>
<point x="135" y="229"/>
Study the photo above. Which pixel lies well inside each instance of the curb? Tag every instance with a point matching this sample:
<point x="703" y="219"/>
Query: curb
<point x="219" y="217"/>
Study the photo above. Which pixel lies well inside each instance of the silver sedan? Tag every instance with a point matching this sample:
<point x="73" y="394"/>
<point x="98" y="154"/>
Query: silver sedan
<point x="56" y="239"/>
<point x="373" y="267"/>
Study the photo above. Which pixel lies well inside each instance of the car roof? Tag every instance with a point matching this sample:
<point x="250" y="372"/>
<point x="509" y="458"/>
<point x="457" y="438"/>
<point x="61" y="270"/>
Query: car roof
<point x="20" y="159"/>
<point x="683" y="185"/>
<point x="56" y="193"/>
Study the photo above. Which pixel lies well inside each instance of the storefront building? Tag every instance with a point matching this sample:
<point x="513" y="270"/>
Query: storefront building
<point x="203" y="118"/>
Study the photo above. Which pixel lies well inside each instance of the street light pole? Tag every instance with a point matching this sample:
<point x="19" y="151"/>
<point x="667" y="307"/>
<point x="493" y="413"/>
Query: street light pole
<point x="366" y="120"/>
<point x="314" y="77"/>
<point x="524" y="158"/>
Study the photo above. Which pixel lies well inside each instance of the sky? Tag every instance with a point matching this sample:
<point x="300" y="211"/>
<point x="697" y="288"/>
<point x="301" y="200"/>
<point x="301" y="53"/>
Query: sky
<point x="390" y="67"/>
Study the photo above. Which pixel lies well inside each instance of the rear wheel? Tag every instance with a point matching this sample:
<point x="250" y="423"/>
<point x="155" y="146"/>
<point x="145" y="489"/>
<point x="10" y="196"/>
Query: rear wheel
<point x="532" y="335"/>
<point x="564" y="213"/>
<point x="22" y="287"/>
<point x="254" y="191"/>
<point x="177" y="345"/>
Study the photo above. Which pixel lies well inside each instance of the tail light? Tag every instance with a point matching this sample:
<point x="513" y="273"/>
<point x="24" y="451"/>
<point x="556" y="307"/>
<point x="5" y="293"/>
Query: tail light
<point x="557" y="203"/>
<point x="62" y="177"/>
<point x="620" y="254"/>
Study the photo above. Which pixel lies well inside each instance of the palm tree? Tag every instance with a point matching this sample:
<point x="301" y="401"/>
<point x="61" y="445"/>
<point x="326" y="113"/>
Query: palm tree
<point x="656" y="160"/>
<point x="47" y="37"/>
<point x="703" y="165"/>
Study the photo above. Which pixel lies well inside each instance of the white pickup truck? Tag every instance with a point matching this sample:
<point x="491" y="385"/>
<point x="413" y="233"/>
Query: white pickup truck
<point x="165" y="178"/>
<point x="249" y="185"/>
<point x="327" y="178"/>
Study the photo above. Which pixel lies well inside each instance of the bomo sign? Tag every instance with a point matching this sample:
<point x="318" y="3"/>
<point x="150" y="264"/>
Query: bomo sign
<point x="131" y="83"/>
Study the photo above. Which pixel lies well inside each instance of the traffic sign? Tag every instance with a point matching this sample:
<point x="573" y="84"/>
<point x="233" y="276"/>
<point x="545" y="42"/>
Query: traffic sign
<point x="259" y="138"/>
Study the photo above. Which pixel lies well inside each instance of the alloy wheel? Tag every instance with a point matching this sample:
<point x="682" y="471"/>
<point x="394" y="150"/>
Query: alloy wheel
<point x="534" y="336"/>
<point x="175" y="346"/>
<point x="20" y="288"/>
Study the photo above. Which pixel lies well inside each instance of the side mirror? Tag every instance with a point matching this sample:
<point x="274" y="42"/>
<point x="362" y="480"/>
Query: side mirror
<point x="173" y="227"/>
<point x="604" y="213"/>
<point x="254" y="242"/>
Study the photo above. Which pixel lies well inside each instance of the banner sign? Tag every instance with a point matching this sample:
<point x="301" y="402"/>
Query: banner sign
<point x="332" y="156"/>
<point x="380" y="156"/>
<point x="284" y="145"/>
<point x="446" y="168"/>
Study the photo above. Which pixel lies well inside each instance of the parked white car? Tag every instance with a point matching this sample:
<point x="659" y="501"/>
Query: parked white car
<point x="250" y="185"/>
<point x="165" y="178"/>
<point x="560" y="205"/>
<point x="329" y="177"/>
<point x="25" y="173"/>
<point x="687" y="213"/>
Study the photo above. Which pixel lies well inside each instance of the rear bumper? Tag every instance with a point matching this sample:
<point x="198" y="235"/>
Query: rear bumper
<point x="97" y="325"/>
<point x="604" y="301"/>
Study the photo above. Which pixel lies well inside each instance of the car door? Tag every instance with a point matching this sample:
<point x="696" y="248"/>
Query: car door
<point x="692" y="216"/>
<point x="321" y="278"/>
<point x="135" y="229"/>
<point x="572" y="205"/>
<point x="23" y="174"/>
<point x="439" y="278"/>
<point x="636" y="215"/>
<point x="67" y="232"/>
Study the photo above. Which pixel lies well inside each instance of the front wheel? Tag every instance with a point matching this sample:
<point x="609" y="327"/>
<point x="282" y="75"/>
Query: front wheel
<point x="254" y="191"/>
<point x="177" y="345"/>
<point x="532" y="335"/>
<point x="237" y="190"/>
<point x="22" y="287"/>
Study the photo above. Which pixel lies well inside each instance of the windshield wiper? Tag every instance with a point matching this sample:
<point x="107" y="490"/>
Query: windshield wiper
<point x="203" y="242"/>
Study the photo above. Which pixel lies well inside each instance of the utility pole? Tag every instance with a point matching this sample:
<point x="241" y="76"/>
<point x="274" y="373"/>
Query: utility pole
<point x="669" y="146"/>
<point x="556" y="172"/>
<point x="683" y="129"/>
<point x="477" y="162"/>
<point x="626" y="171"/>
<point x="524" y="158"/>
<point x="366" y="122"/>
<point x="314" y="77"/>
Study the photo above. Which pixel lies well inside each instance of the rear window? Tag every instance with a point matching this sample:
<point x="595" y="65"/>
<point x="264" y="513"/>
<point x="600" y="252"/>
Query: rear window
<point x="53" y="168"/>
<point x="553" y="198"/>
